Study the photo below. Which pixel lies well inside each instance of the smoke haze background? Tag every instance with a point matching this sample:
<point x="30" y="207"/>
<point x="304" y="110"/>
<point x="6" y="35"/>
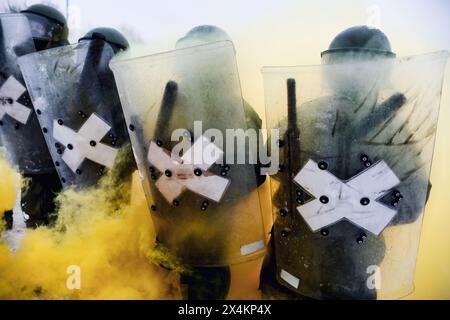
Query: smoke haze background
<point x="294" y="32"/>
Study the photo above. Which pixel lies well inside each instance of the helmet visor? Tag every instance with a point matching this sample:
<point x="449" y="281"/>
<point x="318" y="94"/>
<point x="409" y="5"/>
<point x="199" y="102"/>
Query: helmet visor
<point x="43" y="28"/>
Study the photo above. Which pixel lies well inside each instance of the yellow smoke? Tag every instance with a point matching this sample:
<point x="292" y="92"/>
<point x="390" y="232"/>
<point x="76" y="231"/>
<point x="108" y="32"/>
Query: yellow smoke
<point x="108" y="239"/>
<point x="8" y="180"/>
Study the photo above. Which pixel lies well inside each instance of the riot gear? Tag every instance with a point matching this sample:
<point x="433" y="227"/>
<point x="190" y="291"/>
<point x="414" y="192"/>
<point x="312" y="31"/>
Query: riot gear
<point x="20" y="132"/>
<point x="358" y="143"/>
<point x="202" y="34"/>
<point x="48" y="26"/>
<point x="358" y="43"/>
<point x="195" y="201"/>
<point x="110" y="35"/>
<point x="79" y="111"/>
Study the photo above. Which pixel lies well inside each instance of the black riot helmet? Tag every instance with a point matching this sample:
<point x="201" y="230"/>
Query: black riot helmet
<point x="48" y="26"/>
<point x="116" y="39"/>
<point x="201" y="35"/>
<point x="359" y="42"/>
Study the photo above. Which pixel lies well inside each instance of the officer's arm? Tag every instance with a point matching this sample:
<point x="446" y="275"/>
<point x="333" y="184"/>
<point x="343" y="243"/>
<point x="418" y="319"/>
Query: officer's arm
<point x="382" y="112"/>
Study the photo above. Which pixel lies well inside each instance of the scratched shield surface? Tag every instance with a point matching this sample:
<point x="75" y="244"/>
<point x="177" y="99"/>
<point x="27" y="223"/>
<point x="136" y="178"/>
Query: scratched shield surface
<point x="206" y="210"/>
<point x="20" y="133"/>
<point x="78" y="107"/>
<point x="356" y="146"/>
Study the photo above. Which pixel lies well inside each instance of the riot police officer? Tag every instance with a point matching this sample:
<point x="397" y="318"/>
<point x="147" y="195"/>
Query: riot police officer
<point x="327" y="250"/>
<point x="39" y="27"/>
<point x="213" y="282"/>
<point x="81" y="113"/>
<point x="206" y="211"/>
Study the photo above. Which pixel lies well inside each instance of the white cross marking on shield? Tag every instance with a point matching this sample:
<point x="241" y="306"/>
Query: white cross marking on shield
<point x="182" y="171"/>
<point x="343" y="199"/>
<point x="10" y="91"/>
<point x="94" y="129"/>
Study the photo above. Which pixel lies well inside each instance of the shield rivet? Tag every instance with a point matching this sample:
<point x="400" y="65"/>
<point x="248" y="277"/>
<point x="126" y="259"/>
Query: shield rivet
<point x="365" y="201"/>
<point x="93" y="143"/>
<point x="280" y="143"/>
<point x="325" y="232"/>
<point x="324" y="199"/>
<point x="176" y="203"/>
<point x="223" y="173"/>
<point x="78" y="171"/>
<point x="198" y="172"/>
<point x="283" y="212"/>
<point x="364" y="158"/>
<point x="361" y="238"/>
<point x="397" y="194"/>
<point x="159" y="143"/>
<point x="323" y="165"/>
<point x="153" y="207"/>
<point x="60" y="122"/>
<point x="44" y="130"/>
<point x="131" y="127"/>
<point x="285" y="233"/>
<point x="168" y="173"/>
<point x="57" y="163"/>
<point x="38" y="111"/>
<point x="70" y="147"/>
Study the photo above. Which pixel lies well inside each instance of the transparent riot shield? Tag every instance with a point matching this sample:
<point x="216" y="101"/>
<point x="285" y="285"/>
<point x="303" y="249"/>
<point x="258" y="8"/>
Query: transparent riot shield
<point x="78" y="108"/>
<point x="205" y="205"/>
<point x="355" y="159"/>
<point x="20" y="133"/>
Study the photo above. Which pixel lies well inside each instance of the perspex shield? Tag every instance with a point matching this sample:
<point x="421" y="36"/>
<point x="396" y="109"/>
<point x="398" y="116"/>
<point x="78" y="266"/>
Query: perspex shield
<point x="204" y="202"/>
<point x="355" y="158"/>
<point x="78" y="107"/>
<point x="20" y="133"/>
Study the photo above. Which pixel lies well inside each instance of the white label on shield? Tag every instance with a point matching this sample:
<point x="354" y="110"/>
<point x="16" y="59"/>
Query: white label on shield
<point x="252" y="247"/>
<point x="290" y="279"/>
